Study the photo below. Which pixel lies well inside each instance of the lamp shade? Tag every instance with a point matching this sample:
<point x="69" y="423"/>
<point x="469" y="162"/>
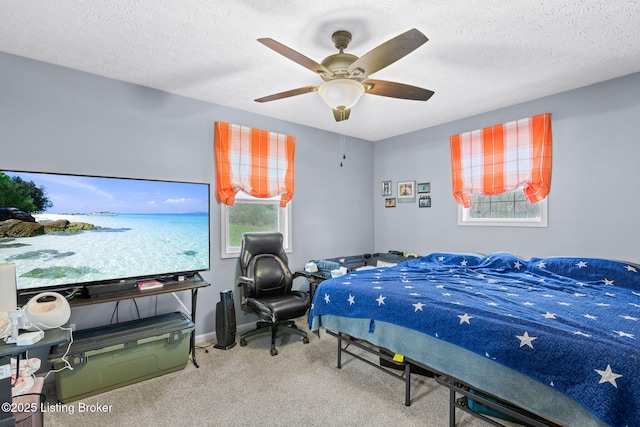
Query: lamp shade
<point x="341" y="93"/>
<point x="8" y="297"/>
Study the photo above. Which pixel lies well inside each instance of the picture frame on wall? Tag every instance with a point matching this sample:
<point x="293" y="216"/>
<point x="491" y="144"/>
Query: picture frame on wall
<point x="386" y="188"/>
<point x="424" y="187"/>
<point x="390" y="202"/>
<point x="424" y="202"/>
<point x="406" y="192"/>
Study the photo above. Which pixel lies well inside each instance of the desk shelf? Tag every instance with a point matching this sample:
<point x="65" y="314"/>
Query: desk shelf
<point x="190" y="284"/>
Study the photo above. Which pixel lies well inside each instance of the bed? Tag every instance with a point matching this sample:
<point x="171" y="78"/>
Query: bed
<point x="557" y="336"/>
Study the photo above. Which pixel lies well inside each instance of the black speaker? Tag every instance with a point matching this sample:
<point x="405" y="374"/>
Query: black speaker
<point x="225" y="321"/>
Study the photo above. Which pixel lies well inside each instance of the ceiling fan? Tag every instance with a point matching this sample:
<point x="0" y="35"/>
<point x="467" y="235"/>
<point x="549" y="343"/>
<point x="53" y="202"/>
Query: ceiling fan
<point x="346" y="77"/>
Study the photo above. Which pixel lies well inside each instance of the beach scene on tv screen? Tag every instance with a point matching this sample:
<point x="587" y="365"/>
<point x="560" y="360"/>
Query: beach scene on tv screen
<point x="66" y="229"/>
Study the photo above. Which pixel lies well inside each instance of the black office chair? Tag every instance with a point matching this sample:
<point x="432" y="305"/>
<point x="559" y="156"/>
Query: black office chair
<point x="266" y="287"/>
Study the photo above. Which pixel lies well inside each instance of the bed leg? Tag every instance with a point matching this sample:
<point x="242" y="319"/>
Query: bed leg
<point x="452" y="408"/>
<point x="340" y="350"/>
<point x="407" y="384"/>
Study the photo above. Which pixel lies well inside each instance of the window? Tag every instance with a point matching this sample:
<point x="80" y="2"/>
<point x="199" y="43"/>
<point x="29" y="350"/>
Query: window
<point x="252" y="214"/>
<point x="509" y="209"/>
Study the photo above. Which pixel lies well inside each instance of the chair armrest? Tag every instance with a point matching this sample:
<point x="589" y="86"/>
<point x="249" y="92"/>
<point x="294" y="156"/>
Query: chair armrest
<point x="248" y="286"/>
<point x="244" y="280"/>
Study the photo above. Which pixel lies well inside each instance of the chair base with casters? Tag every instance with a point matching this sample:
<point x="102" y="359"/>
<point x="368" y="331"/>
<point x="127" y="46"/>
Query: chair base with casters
<point x="263" y="327"/>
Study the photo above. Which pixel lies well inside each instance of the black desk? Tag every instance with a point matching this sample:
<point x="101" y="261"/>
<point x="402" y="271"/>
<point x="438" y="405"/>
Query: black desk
<point x="51" y="338"/>
<point x="192" y="283"/>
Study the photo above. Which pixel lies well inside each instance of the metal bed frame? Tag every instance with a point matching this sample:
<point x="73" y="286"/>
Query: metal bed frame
<point x="459" y="392"/>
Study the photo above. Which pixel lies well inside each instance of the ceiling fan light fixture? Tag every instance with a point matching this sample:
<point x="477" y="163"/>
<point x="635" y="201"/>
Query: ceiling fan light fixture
<point x="341" y="93"/>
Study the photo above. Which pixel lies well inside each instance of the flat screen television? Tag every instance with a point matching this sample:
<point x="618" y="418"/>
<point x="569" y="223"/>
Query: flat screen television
<point x="92" y="230"/>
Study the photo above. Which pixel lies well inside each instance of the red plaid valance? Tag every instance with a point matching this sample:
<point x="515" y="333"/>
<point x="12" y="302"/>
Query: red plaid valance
<point x="258" y="162"/>
<point x="502" y="158"/>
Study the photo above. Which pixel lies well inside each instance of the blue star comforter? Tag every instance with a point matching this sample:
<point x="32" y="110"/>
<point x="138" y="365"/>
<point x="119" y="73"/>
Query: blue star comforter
<point x="570" y="323"/>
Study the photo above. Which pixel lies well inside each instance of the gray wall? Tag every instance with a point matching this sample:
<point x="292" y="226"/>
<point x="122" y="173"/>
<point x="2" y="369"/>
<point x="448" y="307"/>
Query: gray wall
<point x="54" y="119"/>
<point x="594" y="199"/>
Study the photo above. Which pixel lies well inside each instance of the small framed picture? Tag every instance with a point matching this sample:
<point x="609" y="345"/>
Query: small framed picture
<point x="390" y="202"/>
<point x="424" y="187"/>
<point x="406" y="192"/>
<point x="424" y="202"/>
<point x="386" y="188"/>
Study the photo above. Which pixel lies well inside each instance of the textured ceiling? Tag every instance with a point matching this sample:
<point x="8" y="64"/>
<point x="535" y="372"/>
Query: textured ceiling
<point x="481" y="54"/>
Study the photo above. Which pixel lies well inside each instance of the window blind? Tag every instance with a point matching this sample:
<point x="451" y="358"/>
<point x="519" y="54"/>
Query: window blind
<point x="501" y="158"/>
<point x="258" y="162"/>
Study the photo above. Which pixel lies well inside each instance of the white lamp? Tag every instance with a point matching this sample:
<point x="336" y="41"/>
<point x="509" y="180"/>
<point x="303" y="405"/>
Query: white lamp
<point x="341" y="93"/>
<point x="8" y="297"/>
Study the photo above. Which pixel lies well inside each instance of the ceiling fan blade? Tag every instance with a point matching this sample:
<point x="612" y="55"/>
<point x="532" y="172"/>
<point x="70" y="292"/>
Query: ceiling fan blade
<point x="342" y="114"/>
<point x="387" y="53"/>
<point x="396" y="90"/>
<point x="288" y="93"/>
<point x="296" y="57"/>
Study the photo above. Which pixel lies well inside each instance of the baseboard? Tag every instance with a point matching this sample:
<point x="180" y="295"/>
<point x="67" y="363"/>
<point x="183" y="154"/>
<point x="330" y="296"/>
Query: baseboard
<point x="211" y="336"/>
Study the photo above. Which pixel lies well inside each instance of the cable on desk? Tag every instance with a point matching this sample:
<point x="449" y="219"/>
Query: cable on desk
<point x="137" y="309"/>
<point x="67" y="365"/>
<point x="64" y="356"/>
<point x="115" y="313"/>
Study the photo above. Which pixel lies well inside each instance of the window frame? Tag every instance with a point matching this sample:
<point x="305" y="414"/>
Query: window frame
<point x="542" y="222"/>
<point x="284" y="223"/>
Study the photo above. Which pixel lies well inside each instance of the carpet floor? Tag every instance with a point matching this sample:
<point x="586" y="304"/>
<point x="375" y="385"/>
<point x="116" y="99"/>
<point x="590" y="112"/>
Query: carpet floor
<point x="301" y="386"/>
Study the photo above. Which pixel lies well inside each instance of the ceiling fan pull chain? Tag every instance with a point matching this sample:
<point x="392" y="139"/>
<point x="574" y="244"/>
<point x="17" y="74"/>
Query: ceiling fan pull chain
<point x="342" y="139"/>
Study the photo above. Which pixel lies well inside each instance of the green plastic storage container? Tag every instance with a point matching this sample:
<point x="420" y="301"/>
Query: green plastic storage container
<point x="113" y="356"/>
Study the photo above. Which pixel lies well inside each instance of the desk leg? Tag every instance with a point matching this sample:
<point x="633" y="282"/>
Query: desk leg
<point x="192" y="345"/>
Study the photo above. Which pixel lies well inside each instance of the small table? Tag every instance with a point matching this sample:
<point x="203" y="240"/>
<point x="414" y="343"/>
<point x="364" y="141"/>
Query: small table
<point x="313" y="279"/>
<point x="51" y="338"/>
